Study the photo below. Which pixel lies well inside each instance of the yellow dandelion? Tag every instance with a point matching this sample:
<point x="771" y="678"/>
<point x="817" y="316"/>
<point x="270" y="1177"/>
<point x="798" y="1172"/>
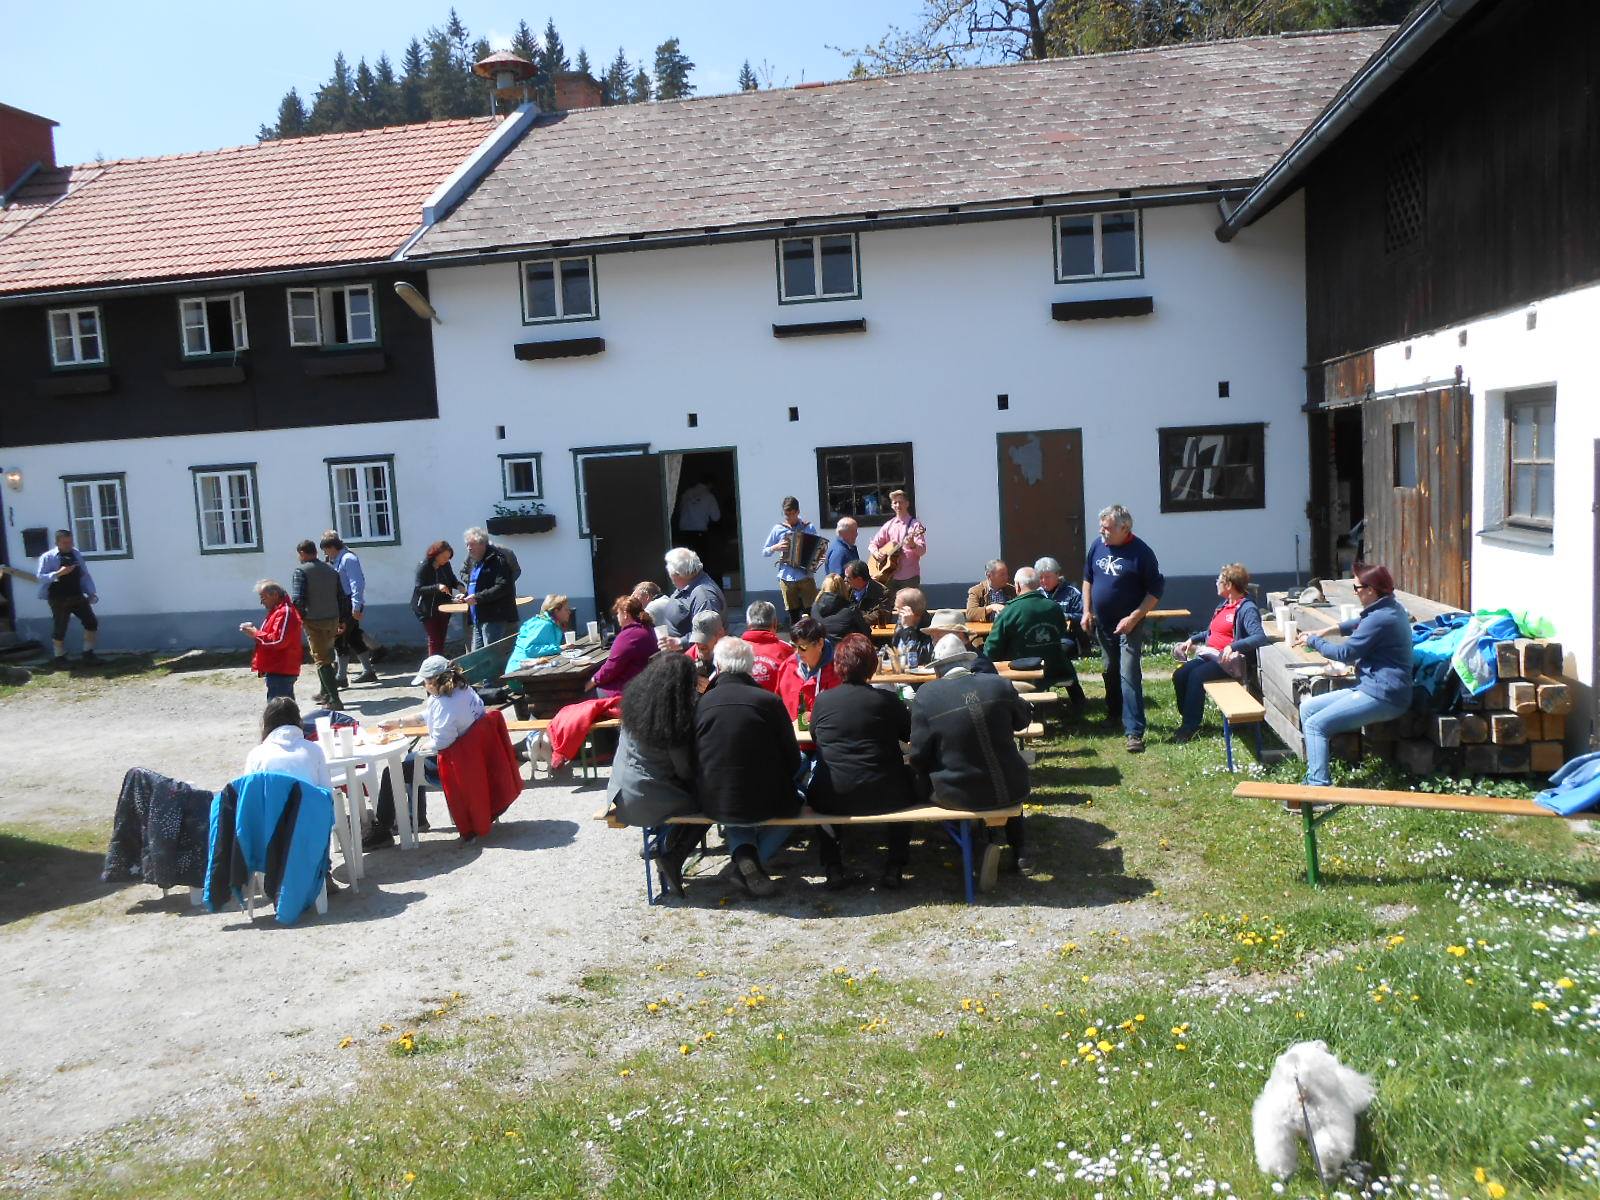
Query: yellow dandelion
<point x="1495" y="1190"/>
<point x="410" y="1177"/>
<point x="1397" y="940"/>
<point x="1090" y="1032"/>
<point x="683" y="1048"/>
<point x="1138" y="1016"/>
<point x="346" y="1042"/>
<point x="1480" y="1175"/>
<point x="1458" y="951"/>
<point x="512" y="1133"/>
<point x="1564" y="983"/>
<point x="625" y="1072"/>
<point x="1539" y="1006"/>
<point x="1180" y="1046"/>
<point x="1104" y="1046"/>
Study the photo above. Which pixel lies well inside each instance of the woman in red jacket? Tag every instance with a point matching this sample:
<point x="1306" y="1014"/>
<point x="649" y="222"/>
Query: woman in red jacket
<point x="277" y="654"/>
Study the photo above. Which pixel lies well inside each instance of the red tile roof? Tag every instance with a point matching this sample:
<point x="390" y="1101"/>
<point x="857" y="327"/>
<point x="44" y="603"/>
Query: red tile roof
<point x="317" y="201"/>
<point x="1171" y="117"/>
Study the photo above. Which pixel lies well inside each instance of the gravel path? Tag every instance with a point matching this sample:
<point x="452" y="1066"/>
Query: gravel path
<point x="124" y="1006"/>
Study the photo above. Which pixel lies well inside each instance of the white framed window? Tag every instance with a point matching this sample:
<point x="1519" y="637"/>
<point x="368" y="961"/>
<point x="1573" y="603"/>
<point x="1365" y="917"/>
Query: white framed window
<point x="819" y="268"/>
<point x="97" y="514"/>
<point x="212" y="325"/>
<point x="362" y="491"/>
<point x="1106" y="245"/>
<point x="226" y="508"/>
<point x="1531" y="458"/>
<point x="76" y="337"/>
<point x="343" y="315"/>
<point x="522" y="476"/>
<point x="559" y="289"/>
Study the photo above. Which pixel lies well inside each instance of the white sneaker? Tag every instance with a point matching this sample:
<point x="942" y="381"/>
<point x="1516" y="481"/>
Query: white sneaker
<point x="989" y="867"/>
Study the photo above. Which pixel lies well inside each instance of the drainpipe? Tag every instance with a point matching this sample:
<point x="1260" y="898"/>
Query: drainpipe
<point x="1375" y="78"/>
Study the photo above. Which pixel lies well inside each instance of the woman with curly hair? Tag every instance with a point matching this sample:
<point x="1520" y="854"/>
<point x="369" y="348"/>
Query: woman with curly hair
<point x="652" y="776"/>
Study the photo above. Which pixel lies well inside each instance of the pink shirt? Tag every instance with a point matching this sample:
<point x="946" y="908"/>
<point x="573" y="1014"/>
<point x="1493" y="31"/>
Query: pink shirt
<point x="897" y="530"/>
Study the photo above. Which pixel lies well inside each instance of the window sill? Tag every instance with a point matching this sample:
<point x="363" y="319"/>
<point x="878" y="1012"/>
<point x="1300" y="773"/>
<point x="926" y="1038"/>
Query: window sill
<point x="346" y="362"/>
<point x="813" y="328"/>
<point x="75" y="383"/>
<point x="230" y="549"/>
<point x="205" y="376"/>
<point x="1515" y="537"/>
<point x="562" y="348"/>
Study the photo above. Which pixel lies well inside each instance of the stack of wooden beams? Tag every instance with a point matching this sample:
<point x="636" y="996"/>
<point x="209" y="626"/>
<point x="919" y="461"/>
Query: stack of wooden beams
<point x="1516" y="727"/>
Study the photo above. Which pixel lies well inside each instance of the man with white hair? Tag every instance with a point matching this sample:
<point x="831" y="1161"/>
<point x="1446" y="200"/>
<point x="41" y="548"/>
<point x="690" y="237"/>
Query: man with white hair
<point x="1069" y="600"/>
<point x="1030" y="627"/>
<point x="491" y="591"/>
<point x="690" y="584"/>
<point x="842" y="550"/>
<point x="761" y="632"/>
<point x="963" y="742"/>
<point x="1122" y="582"/>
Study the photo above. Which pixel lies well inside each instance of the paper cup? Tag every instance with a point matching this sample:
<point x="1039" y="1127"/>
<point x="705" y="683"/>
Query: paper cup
<point x="347" y="741"/>
<point x="569" y="637"/>
<point x="594" y="629"/>
<point x="325" y="735"/>
<point x="1288" y="628"/>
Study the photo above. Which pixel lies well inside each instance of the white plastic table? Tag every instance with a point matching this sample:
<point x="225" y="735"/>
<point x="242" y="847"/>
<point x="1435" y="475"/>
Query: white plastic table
<point x="360" y="776"/>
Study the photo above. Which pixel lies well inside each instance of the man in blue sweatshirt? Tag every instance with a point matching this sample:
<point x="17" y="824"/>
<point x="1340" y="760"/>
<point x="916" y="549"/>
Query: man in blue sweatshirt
<point x="1122" y="582"/>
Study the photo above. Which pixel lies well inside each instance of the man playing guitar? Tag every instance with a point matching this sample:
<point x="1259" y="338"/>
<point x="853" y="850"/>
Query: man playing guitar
<point x="896" y="550"/>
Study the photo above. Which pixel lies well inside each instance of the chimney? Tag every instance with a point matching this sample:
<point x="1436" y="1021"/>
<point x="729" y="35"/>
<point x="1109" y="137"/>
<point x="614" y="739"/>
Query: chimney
<point x="26" y="141"/>
<point x="577" y="89"/>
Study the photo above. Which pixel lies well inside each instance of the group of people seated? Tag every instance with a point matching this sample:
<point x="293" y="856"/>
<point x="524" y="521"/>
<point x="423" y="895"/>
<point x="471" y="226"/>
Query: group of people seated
<point x="725" y="747"/>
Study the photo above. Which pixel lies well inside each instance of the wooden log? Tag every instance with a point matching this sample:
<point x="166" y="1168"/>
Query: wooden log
<point x="1508" y="660"/>
<point x="1287" y="730"/>
<point x="1554" y="697"/>
<point x="1552" y="727"/>
<point x="1416" y="757"/>
<point x="1546" y="757"/>
<point x="1346" y="747"/>
<point x="1480" y="760"/>
<point x="1445" y="732"/>
<point x="1474" y="729"/>
<point x="1531" y="657"/>
<point x="1495" y="697"/>
<point x="1382" y="733"/>
<point x="1522" y="698"/>
<point x="1507" y="729"/>
<point x="1512" y="760"/>
<point x="1555" y="658"/>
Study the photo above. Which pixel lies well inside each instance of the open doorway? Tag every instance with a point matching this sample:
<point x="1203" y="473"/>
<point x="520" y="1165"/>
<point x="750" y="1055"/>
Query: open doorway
<point x="1346" y="514"/>
<point x="703" y="513"/>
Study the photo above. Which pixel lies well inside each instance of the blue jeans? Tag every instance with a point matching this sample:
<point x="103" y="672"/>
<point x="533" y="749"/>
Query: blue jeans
<point x="767" y="839"/>
<point x="1124" y="675"/>
<point x="484" y="632"/>
<point x="1337" y="712"/>
<point x="1189" y="681"/>
<point x="280" y="685"/>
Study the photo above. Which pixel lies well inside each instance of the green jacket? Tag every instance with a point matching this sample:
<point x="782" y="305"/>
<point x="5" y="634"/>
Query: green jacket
<point x="1031" y="626"/>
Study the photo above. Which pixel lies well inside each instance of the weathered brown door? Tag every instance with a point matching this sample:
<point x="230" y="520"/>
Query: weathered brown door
<point x="1417" y="479"/>
<point x="627" y="523"/>
<point x="1041" y="498"/>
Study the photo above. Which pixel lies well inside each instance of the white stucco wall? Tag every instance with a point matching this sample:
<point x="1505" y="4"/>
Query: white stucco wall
<point x="1502" y="354"/>
<point x="955" y="316"/>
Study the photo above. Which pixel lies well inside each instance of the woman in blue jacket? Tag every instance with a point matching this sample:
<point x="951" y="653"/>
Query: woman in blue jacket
<point x="1378" y="644"/>
<point x="1222" y="650"/>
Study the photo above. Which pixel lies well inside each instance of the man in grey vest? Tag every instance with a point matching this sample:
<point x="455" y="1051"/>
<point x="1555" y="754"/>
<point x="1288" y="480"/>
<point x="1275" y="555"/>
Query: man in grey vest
<point x="315" y="592"/>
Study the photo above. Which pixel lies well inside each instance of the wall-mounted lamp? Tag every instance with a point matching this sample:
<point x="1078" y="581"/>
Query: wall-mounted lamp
<point x="14" y="479"/>
<point x="416" y="301"/>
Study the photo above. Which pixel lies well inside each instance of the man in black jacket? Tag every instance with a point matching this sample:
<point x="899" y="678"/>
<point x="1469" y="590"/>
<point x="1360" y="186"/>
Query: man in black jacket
<point x="746" y="758"/>
<point x="963" y="740"/>
<point x="870" y="596"/>
<point x="491" y="591"/>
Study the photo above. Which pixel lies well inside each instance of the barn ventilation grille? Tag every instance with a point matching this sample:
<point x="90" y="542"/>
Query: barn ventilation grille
<point x="1405" y="200"/>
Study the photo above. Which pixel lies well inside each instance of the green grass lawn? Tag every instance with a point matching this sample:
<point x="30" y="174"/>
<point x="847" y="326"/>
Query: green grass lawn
<point x="1456" y="959"/>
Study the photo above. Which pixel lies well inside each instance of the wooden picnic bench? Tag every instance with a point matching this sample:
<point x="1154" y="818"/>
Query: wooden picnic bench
<point x="1331" y="799"/>
<point x="958" y="824"/>
<point x="1238" y="707"/>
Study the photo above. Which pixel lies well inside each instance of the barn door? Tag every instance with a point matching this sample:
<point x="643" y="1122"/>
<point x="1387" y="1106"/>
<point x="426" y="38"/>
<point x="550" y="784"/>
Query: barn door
<point x="1417" y="479"/>
<point x="1041" y="498"/>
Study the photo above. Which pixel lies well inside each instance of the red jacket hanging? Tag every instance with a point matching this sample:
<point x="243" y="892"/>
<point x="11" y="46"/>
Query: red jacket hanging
<point x="480" y="775"/>
<point x="570" y="727"/>
<point x="277" y="649"/>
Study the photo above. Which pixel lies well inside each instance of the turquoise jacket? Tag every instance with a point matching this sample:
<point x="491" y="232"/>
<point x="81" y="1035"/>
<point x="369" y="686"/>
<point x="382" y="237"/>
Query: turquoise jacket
<point x="539" y="637"/>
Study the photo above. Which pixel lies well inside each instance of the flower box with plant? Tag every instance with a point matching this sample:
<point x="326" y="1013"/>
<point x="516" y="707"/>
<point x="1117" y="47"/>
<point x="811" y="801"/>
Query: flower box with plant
<point x="528" y="517"/>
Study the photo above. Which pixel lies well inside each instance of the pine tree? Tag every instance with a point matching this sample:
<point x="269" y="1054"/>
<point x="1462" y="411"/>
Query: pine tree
<point x="413" y="69"/>
<point x="614" y="83"/>
<point x="672" y="72"/>
<point x="449" y="88"/>
<point x="639" y="87"/>
<point x="747" y="78"/>
<point x="555" y="54"/>
<point x="385" y="95"/>
<point x="333" y="109"/>
<point x="364" y="106"/>
<point x="581" y="63"/>
<point x="524" y="44"/>
<point x="291" y="121"/>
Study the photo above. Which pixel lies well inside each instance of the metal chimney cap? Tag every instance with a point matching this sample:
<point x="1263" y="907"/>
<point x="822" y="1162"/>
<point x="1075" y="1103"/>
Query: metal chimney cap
<point x="504" y="62"/>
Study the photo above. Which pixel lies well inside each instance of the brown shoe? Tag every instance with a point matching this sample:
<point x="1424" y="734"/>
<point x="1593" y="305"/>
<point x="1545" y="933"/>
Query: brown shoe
<point x="1135" y="745"/>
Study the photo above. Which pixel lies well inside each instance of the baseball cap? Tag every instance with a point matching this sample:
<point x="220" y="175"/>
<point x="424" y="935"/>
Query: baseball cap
<point x="707" y="625"/>
<point x="432" y="667"/>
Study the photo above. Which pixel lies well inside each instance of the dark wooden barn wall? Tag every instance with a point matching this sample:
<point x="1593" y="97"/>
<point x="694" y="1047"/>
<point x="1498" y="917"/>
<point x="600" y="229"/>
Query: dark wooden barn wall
<point x="1506" y="111"/>
<point x="1422" y="534"/>
<point x="283" y="385"/>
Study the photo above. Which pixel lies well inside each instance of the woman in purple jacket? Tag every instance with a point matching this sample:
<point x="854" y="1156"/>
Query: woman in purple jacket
<point x="635" y="645"/>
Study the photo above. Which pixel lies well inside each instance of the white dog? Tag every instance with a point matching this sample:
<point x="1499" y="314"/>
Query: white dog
<point x="1310" y="1095"/>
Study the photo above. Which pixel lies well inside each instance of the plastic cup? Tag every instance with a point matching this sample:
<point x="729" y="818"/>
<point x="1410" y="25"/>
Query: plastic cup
<point x="347" y="741"/>
<point x="1288" y="628"/>
<point x="569" y="637"/>
<point x="594" y="629"/>
<point x="325" y="734"/>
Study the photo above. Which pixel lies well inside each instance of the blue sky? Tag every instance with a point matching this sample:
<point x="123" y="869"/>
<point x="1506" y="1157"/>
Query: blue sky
<point x="211" y="73"/>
